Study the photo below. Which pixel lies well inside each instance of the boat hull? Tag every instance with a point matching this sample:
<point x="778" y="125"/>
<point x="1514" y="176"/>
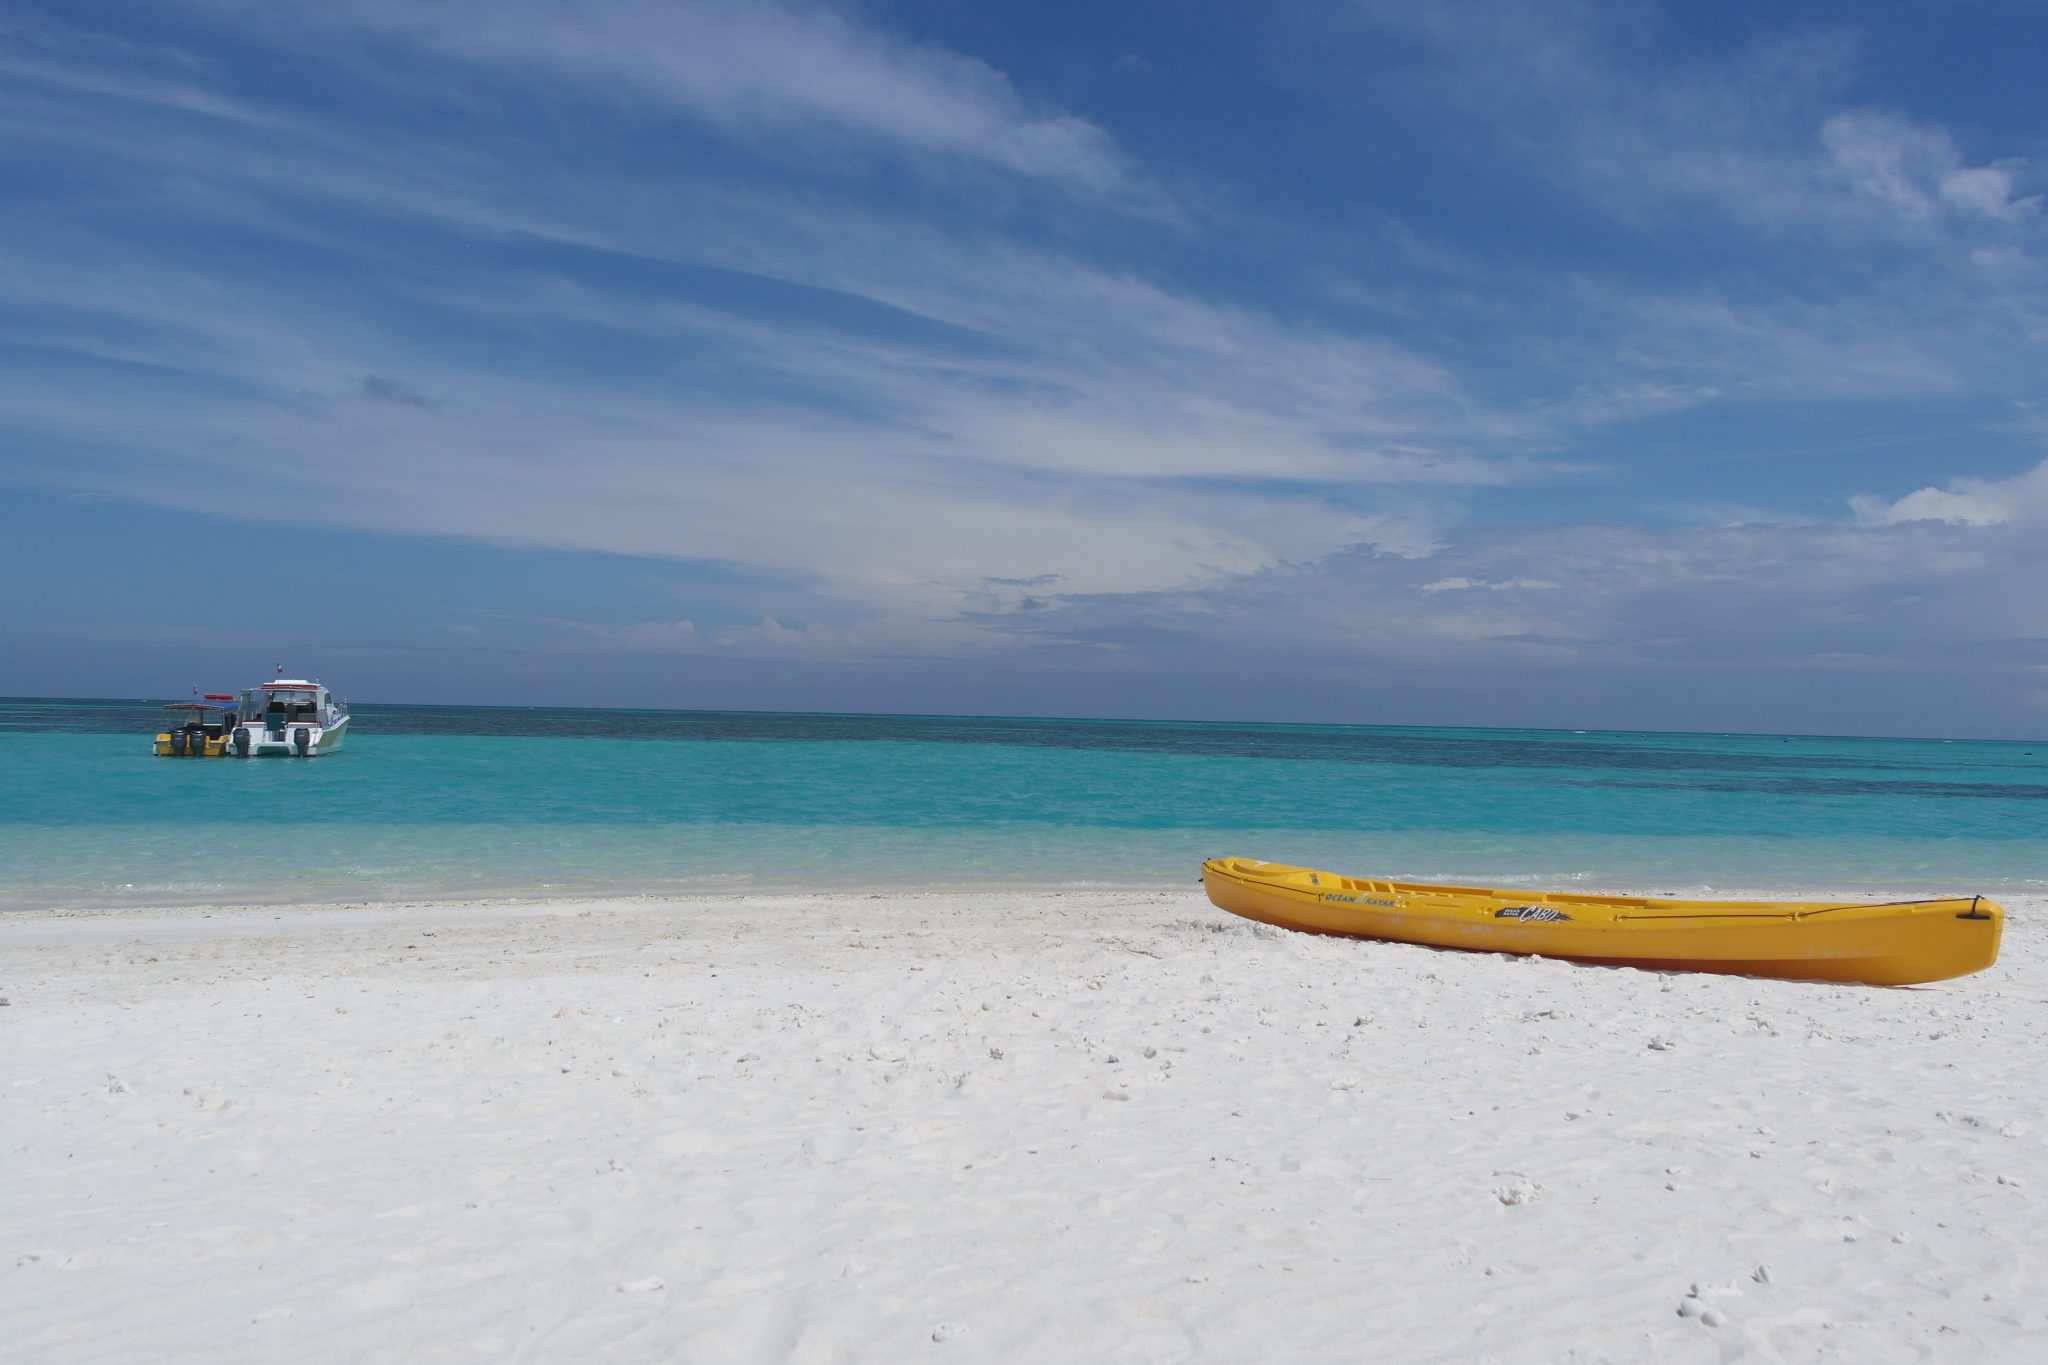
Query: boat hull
<point x="1886" y="945"/>
<point x="320" y="740"/>
<point x="172" y="744"/>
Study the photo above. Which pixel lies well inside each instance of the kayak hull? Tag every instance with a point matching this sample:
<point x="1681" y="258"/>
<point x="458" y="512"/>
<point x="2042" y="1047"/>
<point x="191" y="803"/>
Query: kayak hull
<point x="1898" y="944"/>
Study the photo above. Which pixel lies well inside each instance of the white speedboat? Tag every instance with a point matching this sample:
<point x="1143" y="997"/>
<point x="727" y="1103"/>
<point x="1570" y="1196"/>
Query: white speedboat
<point x="288" y="718"/>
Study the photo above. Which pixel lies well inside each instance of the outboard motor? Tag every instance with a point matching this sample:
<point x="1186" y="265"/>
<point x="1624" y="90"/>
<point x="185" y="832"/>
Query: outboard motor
<point x="178" y="743"/>
<point x="302" y="739"/>
<point x="241" y="741"/>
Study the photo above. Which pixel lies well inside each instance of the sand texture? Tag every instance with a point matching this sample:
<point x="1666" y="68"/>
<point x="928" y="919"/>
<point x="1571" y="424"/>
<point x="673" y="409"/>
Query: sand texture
<point x="1121" y="1128"/>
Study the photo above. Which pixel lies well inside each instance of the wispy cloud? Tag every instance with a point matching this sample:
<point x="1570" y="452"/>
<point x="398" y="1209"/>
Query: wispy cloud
<point x="1764" y="135"/>
<point x="1461" y="584"/>
<point x="1916" y="170"/>
<point x="1966" y="501"/>
<point x="759" y="70"/>
<point x="382" y="388"/>
<point x="1690" y="603"/>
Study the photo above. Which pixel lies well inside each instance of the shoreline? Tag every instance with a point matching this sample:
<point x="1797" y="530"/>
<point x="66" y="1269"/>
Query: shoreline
<point x="627" y="892"/>
<point x="768" y="889"/>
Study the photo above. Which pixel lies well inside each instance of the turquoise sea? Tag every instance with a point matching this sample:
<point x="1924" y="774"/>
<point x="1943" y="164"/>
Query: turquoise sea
<point x="475" y="801"/>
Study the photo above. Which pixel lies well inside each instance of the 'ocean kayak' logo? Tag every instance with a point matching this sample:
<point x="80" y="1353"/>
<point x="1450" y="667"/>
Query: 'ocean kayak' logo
<point x="1532" y="914"/>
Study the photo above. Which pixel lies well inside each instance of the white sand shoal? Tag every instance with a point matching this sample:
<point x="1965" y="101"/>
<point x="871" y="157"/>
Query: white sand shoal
<point x="1123" y="1128"/>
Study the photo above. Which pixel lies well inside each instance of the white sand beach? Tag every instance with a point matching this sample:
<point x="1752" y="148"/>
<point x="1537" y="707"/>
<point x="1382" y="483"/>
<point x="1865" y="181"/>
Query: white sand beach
<point x="1085" y="1127"/>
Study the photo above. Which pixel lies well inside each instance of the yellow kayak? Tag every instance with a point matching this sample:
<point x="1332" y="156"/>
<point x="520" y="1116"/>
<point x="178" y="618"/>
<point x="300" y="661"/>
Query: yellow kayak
<point x="1895" y="944"/>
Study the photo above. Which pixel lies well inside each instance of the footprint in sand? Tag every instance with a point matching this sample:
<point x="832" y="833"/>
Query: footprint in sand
<point x="1699" y="1300"/>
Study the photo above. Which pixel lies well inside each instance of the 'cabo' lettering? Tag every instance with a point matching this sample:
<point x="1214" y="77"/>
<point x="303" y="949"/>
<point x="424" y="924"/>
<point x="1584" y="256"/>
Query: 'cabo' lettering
<point x="1532" y="914"/>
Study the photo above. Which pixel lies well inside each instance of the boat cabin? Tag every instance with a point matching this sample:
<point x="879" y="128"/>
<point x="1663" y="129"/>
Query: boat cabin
<point x="288" y="701"/>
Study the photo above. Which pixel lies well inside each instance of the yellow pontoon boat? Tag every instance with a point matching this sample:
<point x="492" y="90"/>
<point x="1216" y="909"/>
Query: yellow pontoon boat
<point x="1895" y="944"/>
<point x="197" y="729"/>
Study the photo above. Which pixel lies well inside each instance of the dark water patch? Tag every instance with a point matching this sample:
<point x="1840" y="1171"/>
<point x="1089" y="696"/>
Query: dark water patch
<point x="1691" y="756"/>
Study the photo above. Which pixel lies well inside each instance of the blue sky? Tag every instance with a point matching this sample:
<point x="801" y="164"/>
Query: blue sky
<point x="1578" y="364"/>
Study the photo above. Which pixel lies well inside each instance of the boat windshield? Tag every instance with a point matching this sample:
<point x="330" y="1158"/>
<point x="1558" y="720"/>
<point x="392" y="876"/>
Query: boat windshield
<point x="292" y="703"/>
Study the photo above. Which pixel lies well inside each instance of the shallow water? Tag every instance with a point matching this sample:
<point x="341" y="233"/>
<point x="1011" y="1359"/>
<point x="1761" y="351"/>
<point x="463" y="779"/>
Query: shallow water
<point x="449" y="801"/>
